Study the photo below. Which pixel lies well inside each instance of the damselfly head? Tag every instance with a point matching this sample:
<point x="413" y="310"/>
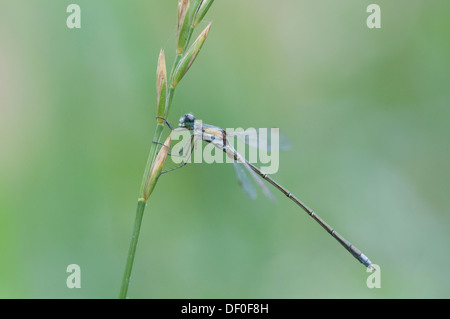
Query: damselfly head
<point x="187" y="121"/>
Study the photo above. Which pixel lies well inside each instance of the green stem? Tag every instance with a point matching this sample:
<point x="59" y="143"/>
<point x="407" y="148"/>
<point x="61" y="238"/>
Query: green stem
<point x="142" y="193"/>
<point x="132" y="251"/>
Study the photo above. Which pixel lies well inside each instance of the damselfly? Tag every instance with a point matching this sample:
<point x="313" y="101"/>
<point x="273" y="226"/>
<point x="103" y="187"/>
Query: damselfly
<point x="220" y="139"/>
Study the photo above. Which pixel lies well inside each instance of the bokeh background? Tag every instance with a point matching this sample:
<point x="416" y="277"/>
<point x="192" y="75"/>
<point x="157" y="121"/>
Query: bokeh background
<point x="367" y="112"/>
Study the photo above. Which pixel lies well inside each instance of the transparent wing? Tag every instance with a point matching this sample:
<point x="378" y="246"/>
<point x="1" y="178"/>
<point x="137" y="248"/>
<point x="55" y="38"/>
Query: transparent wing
<point x="260" y="183"/>
<point x="243" y="180"/>
<point x="242" y="172"/>
<point x="263" y="138"/>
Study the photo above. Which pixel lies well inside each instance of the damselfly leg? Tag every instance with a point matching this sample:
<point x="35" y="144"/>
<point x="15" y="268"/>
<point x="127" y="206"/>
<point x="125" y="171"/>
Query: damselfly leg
<point x="188" y="156"/>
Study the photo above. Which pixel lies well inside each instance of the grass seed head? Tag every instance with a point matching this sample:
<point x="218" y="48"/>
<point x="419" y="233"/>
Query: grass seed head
<point x="189" y="57"/>
<point x="201" y="11"/>
<point x="184" y="25"/>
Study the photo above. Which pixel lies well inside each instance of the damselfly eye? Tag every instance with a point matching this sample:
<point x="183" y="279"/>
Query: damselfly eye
<point x="187" y="121"/>
<point x="189" y="118"/>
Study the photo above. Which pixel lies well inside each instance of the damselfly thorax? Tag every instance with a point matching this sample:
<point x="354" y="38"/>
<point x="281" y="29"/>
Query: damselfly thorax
<point x="218" y="137"/>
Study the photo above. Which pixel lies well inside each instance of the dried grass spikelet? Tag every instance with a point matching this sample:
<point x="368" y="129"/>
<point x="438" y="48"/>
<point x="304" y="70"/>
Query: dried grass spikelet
<point x="161" y="88"/>
<point x="157" y="167"/>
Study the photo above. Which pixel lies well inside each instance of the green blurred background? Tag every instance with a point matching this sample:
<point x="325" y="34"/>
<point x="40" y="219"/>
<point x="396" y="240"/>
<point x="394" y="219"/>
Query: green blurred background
<point x="367" y="111"/>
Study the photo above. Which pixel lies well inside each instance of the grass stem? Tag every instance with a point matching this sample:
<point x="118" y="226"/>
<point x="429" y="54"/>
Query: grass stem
<point x="132" y="250"/>
<point x="151" y="173"/>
